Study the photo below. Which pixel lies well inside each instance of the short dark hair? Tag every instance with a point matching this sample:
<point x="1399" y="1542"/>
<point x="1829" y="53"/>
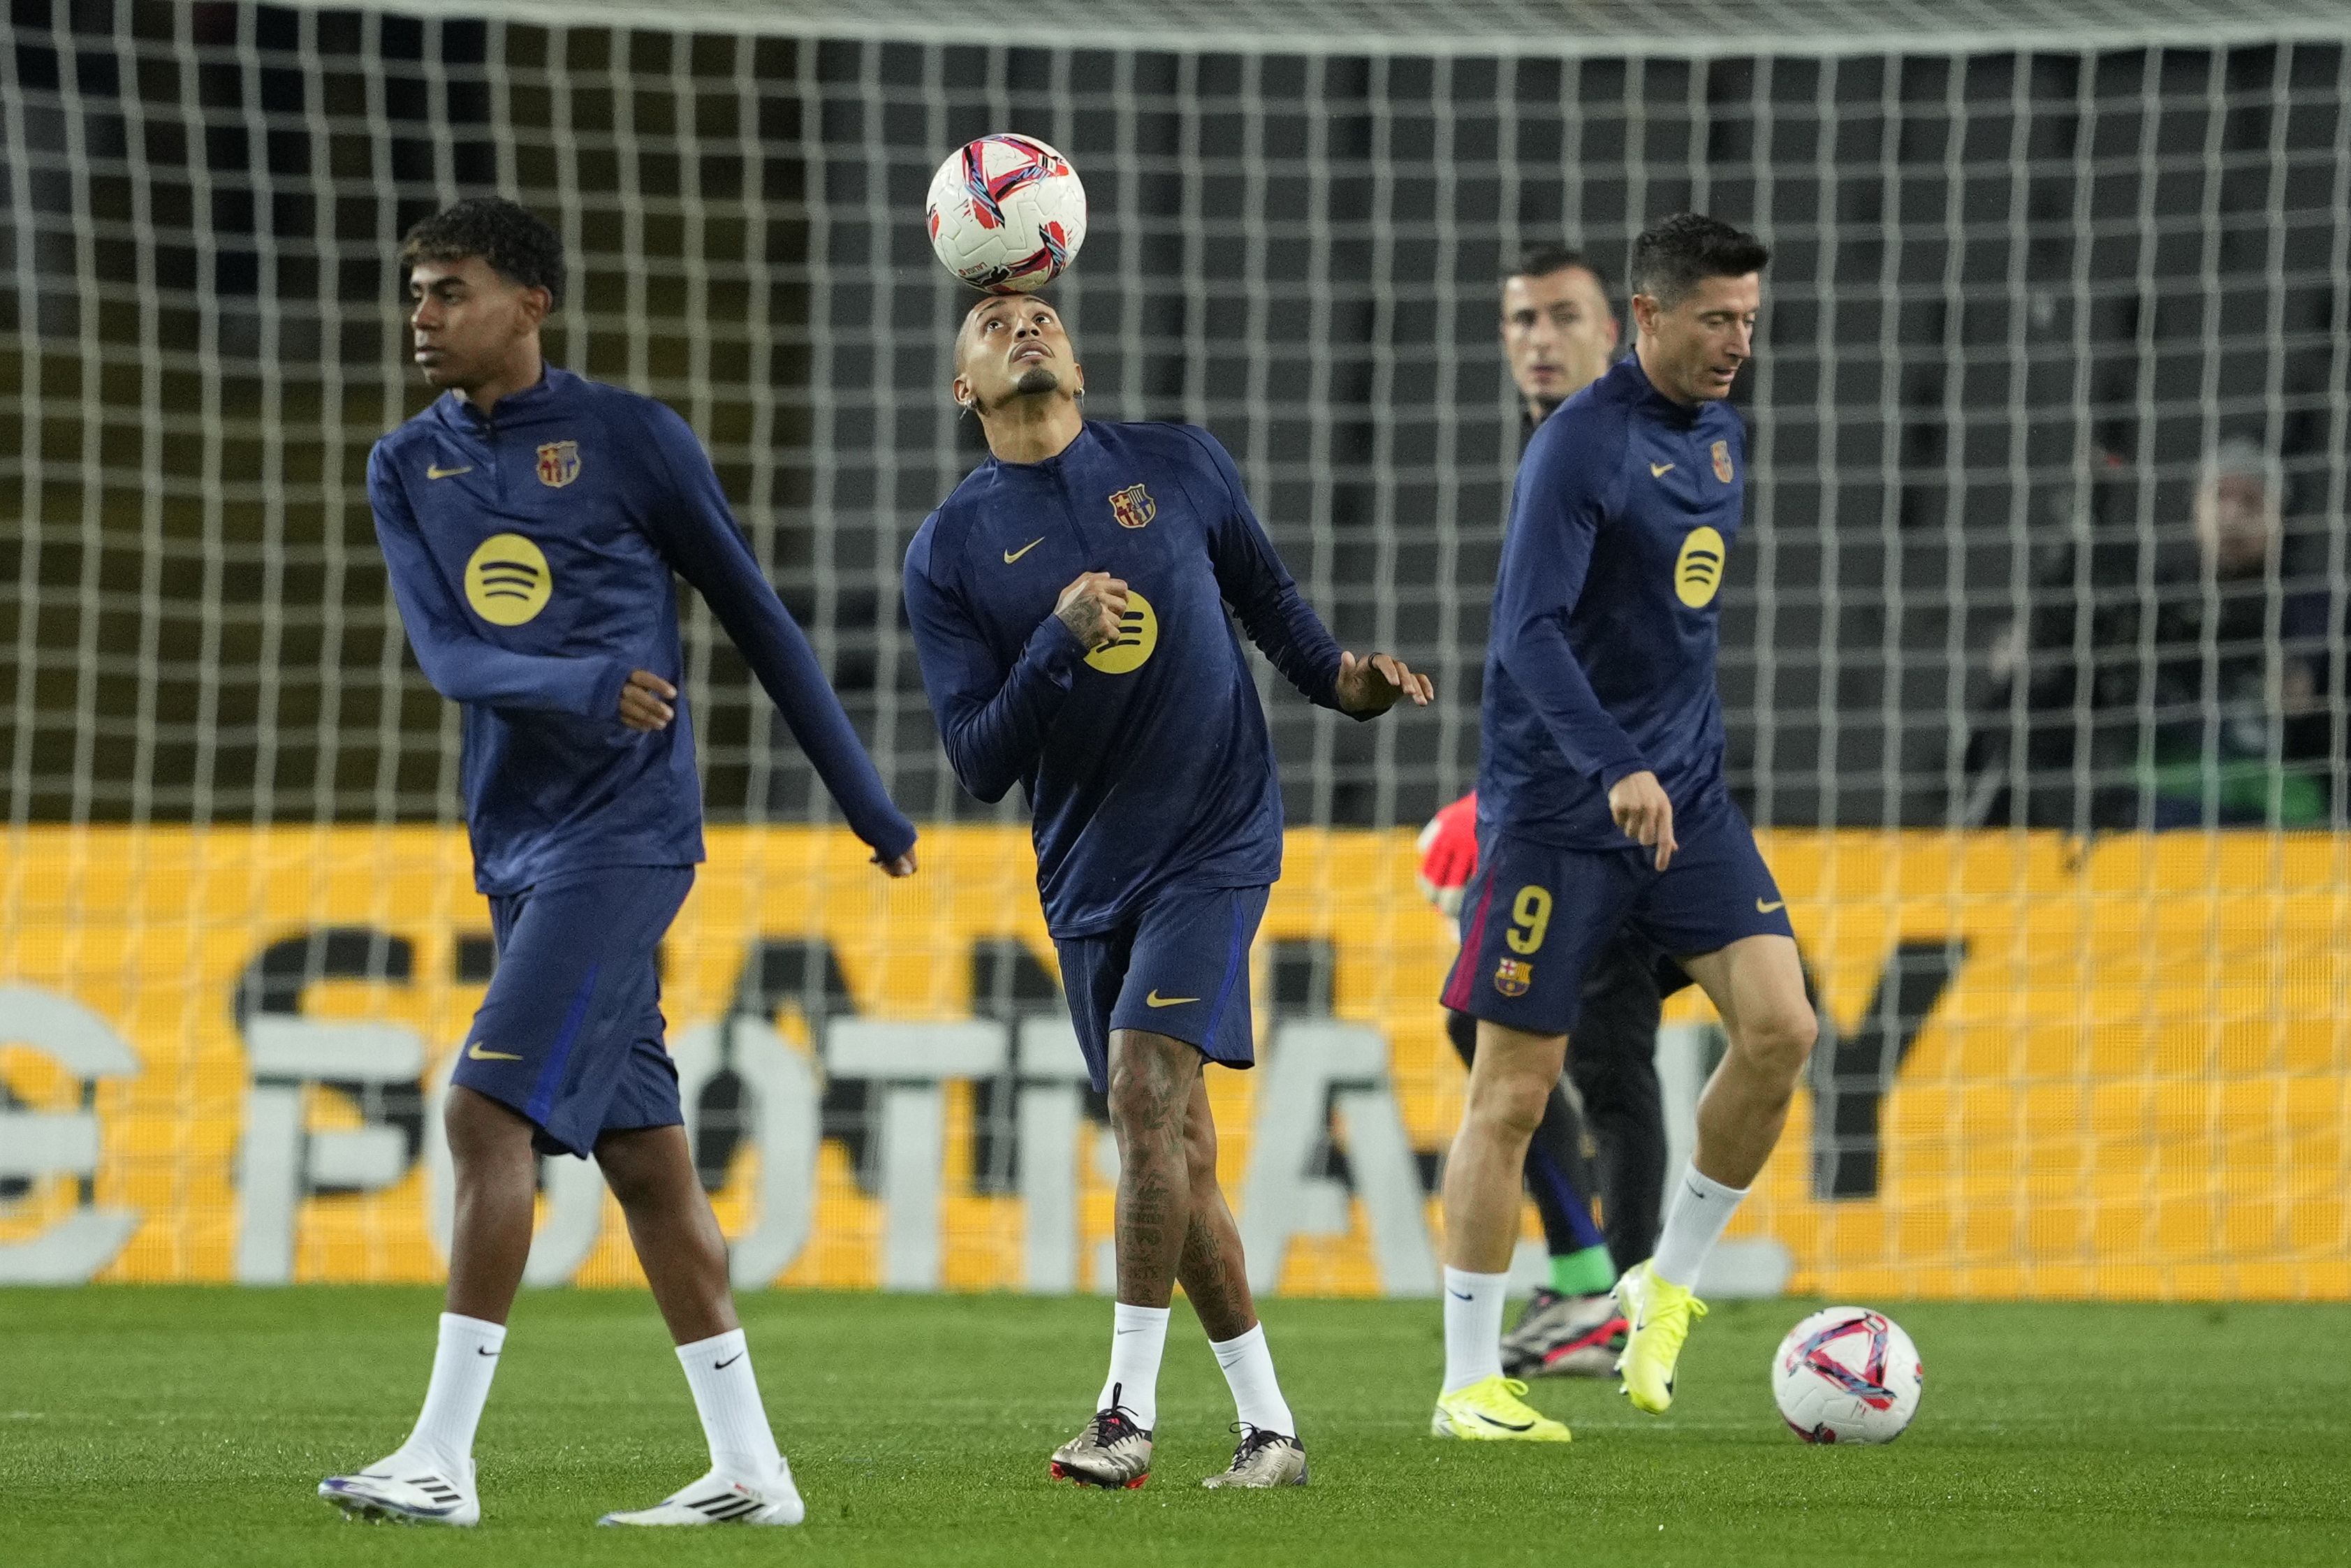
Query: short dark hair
<point x="517" y="242"/>
<point x="1543" y="261"/>
<point x="1673" y="254"/>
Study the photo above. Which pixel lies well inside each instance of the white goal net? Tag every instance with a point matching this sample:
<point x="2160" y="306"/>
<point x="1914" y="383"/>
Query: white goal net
<point x="2055" y="783"/>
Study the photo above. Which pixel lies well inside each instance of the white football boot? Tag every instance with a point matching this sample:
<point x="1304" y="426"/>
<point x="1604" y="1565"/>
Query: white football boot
<point x="720" y="1499"/>
<point x="410" y="1487"/>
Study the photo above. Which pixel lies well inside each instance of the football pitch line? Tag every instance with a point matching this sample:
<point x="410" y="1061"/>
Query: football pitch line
<point x="160" y="1426"/>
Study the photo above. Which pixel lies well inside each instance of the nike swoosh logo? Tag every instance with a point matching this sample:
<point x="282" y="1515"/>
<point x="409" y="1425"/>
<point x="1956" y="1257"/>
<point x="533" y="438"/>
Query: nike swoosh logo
<point x="1156" y="1001"/>
<point x="1763" y="908"/>
<point x="447" y="473"/>
<point x="1459" y="1297"/>
<point x="491" y="1354"/>
<point x="1505" y="1426"/>
<point x="479" y="1054"/>
<point x="1013" y="555"/>
<point x="730" y="1361"/>
<point x="1659" y="470"/>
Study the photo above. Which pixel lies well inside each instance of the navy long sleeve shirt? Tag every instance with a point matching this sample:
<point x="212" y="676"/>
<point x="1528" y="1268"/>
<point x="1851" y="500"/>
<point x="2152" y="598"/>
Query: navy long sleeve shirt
<point x="531" y="555"/>
<point x="1607" y="613"/>
<point x="1146" y="763"/>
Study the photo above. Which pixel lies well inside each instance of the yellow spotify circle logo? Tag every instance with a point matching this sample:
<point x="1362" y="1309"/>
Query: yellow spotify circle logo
<point x="1138" y="634"/>
<point x="1699" y="571"/>
<point x="508" y="582"/>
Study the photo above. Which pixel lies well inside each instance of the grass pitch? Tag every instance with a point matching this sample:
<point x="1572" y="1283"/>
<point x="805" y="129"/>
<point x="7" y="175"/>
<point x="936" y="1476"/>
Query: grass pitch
<point x="155" y="1427"/>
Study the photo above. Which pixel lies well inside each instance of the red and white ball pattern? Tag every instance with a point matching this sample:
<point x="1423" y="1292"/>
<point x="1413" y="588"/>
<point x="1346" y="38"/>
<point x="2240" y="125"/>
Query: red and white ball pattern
<point x="1006" y="213"/>
<point x="1847" y="1375"/>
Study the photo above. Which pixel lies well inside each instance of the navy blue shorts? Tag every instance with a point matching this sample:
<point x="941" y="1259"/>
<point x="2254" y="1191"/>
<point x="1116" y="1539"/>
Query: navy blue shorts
<point x="1534" y="917"/>
<point x="1177" y="967"/>
<point x="570" y="1033"/>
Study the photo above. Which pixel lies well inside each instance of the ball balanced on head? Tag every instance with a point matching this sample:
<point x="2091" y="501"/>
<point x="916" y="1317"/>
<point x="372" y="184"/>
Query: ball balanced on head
<point x="1006" y="213"/>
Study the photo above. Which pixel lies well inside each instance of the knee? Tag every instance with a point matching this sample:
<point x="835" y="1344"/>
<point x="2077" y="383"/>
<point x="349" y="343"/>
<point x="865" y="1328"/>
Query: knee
<point x="1511" y="1104"/>
<point x="480" y="1128"/>
<point x="1781" y="1043"/>
<point x="1146" y="1102"/>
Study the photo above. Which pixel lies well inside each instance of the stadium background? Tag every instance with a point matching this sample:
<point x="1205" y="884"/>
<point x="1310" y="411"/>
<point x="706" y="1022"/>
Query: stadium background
<point x="2029" y="262"/>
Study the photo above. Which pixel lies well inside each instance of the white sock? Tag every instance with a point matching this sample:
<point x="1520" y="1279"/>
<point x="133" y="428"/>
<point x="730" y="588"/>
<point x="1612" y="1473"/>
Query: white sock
<point x="463" y="1365"/>
<point x="1138" y="1337"/>
<point x="1702" y="1208"/>
<point x="726" y="1398"/>
<point x="1473" y="1327"/>
<point x="1248" y="1373"/>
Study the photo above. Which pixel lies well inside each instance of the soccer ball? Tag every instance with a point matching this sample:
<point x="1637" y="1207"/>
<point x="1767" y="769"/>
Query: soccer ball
<point x="1006" y="213"/>
<point x="1847" y="1375"/>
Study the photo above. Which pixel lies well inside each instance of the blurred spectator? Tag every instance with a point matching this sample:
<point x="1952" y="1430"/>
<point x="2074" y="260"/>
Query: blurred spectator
<point x="2169" y="681"/>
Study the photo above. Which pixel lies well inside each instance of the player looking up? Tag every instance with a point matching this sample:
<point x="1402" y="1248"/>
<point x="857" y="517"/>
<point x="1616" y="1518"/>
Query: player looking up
<point x="1602" y="804"/>
<point x="531" y="521"/>
<point x="1068" y="608"/>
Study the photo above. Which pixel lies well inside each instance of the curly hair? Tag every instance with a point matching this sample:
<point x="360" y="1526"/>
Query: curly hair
<point x="1673" y="254"/>
<point x="516" y="242"/>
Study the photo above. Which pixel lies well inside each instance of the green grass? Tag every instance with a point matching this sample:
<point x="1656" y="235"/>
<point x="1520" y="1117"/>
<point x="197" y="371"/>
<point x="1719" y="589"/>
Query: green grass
<point x="156" y="1426"/>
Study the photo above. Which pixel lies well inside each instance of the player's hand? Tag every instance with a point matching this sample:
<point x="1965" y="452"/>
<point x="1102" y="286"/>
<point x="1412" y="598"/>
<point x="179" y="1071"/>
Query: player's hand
<point x="903" y="866"/>
<point x="1377" y="684"/>
<point x="1092" y="608"/>
<point x="1638" y="803"/>
<point x="644" y="702"/>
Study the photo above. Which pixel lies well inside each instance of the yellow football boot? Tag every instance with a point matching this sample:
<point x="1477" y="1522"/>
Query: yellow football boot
<point x="1659" y="1314"/>
<point x="1491" y="1411"/>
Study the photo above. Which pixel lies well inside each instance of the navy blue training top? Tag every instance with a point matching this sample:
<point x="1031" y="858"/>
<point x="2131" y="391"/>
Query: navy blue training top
<point x="531" y="553"/>
<point x="1146" y="763"/>
<point x="1607" y="613"/>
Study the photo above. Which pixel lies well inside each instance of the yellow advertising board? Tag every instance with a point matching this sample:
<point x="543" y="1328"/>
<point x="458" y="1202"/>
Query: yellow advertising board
<point x="2048" y="1070"/>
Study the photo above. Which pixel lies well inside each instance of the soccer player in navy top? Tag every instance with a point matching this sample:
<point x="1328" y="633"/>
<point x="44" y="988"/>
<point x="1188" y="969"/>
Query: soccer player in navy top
<point x="1068" y="603"/>
<point x="1602" y="804"/>
<point x="532" y="521"/>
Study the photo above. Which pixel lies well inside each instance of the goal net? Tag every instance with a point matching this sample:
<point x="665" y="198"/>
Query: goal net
<point x="2049" y="759"/>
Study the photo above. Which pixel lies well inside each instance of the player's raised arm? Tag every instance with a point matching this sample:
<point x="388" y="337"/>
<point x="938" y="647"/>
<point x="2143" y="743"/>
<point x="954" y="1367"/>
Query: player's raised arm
<point x="697" y="534"/>
<point x="461" y="666"/>
<point x="992" y="721"/>
<point x="1285" y="628"/>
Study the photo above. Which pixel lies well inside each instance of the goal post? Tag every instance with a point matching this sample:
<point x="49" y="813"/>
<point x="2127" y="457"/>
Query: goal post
<point x="2060" y="814"/>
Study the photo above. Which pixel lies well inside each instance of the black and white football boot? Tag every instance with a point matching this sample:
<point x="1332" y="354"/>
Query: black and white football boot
<point x="1564" y="1336"/>
<point x="1113" y="1451"/>
<point x="721" y="1498"/>
<point x="411" y="1489"/>
<point x="1264" y="1460"/>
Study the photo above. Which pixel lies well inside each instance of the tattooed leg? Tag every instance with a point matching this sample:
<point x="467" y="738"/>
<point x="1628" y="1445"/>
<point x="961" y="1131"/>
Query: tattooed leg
<point x="1212" y="1271"/>
<point x="1153" y="1080"/>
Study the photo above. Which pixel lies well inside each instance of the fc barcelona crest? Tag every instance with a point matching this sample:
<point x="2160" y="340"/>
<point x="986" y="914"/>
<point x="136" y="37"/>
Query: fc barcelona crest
<point x="559" y="463"/>
<point x="1722" y="461"/>
<point x="1132" y="506"/>
<point x="1513" y="975"/>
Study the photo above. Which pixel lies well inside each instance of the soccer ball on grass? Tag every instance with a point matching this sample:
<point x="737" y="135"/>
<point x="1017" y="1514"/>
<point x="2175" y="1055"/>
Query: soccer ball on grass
<point x="1846" y="1376"/>
<point x="1006" y="213"/>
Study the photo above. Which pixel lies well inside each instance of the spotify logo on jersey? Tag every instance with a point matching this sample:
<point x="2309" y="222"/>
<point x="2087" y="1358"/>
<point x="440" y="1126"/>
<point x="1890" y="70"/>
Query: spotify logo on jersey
<point x="1138" y="634"/>
<point x="1697" y="572"/>
<point x="508" y="582"/>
